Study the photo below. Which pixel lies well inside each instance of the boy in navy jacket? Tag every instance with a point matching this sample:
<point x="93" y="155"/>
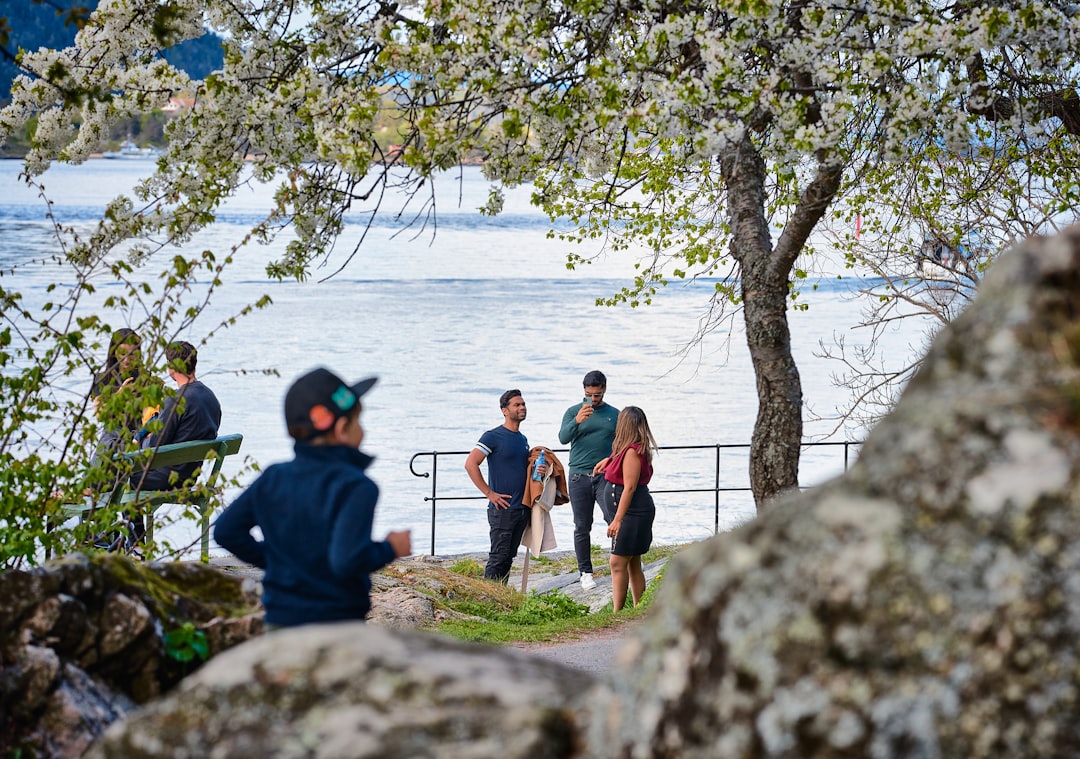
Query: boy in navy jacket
<point x="315" y="512"/>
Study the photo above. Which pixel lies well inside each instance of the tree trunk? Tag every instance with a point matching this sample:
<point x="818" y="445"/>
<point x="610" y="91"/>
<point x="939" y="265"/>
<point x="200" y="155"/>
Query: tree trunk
<point x="775" y="445"/>
<point x="777" y="438"/>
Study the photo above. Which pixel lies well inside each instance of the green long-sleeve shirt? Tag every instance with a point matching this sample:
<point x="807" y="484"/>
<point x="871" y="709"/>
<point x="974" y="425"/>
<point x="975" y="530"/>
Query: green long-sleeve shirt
<point x="591" y="440"/>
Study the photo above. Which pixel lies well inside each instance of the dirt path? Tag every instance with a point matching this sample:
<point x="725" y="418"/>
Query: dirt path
<point x="592" y="651"/>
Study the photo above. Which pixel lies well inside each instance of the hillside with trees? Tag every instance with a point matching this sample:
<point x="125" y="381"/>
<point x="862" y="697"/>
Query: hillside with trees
<point x="29" y="25"/>
<point x="33" y="24"/>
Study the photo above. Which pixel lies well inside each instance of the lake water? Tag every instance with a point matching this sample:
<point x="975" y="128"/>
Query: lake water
<point x="449" y="322"/>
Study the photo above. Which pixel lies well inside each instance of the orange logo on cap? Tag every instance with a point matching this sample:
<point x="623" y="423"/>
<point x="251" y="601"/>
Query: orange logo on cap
<point x="321" y="417"/>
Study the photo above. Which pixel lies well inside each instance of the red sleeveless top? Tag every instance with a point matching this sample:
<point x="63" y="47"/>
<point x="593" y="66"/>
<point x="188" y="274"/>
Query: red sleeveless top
<point x="613" y="471"/>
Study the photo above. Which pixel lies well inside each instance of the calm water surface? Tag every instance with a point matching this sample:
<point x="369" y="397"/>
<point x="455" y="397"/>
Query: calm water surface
<point x="448" y="323"/>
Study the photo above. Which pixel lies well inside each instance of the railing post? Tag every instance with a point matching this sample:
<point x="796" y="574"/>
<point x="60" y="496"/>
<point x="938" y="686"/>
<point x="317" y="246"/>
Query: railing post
<point x="434" y="486"/>
<point x="716" y="494"/>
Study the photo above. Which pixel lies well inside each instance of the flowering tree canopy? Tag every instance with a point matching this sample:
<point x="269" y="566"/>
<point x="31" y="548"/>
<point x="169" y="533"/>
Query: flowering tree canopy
<point x="720" y="135"/>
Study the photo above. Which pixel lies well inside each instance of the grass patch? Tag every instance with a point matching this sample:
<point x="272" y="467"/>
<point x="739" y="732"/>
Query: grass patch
<point x="517" y="613"/>
<point x="531" y="623"/>
<point x="550" y="607"/>
<point x="467" y="567"/>
<point x="547" y="618"/>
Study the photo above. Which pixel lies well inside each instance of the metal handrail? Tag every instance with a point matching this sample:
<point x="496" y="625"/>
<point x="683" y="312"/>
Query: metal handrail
<point x="716" y="489"/>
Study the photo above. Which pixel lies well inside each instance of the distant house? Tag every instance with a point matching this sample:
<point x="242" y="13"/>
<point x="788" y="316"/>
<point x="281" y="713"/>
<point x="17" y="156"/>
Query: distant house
<point x="177" y="105"/>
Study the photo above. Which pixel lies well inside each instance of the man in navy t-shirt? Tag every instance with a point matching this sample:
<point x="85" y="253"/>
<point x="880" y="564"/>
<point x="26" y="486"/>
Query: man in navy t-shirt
<point x="507" y="454"/>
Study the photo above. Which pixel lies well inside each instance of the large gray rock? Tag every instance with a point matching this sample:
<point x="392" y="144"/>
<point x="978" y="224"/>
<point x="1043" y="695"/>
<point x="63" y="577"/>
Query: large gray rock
<point x="83" y="641"/>
<point x="927" y="603"/>
<point x="355" y="691"/>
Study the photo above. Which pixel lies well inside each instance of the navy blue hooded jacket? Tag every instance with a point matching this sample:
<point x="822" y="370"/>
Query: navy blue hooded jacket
<point x="315" y="513"/>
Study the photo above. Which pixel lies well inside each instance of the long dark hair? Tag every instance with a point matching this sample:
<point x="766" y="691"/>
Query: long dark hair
<point x="633" y="427"/>
<point x="122" y="336"/>
<point x="111" y="374"/>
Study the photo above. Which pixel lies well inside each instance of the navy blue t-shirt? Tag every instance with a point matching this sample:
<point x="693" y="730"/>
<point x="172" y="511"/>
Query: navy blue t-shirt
<point x="508" y="463"/>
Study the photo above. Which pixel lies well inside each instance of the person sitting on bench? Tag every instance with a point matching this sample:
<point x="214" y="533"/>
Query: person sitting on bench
<point x="192" y="414"/>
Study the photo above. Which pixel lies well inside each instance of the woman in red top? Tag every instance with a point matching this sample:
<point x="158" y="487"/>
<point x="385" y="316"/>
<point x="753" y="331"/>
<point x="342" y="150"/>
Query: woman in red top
<point x="628" y="471"/>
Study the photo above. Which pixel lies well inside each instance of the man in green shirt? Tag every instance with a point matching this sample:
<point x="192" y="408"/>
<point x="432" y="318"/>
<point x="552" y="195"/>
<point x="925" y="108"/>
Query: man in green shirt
<point x="589" y="428"/>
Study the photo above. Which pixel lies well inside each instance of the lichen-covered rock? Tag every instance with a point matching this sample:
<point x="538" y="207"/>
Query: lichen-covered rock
<point x="927" y="603"/>
<point x="403" y="609"/>
<point x="359" y="691"/>
<point x="82" y="642"/>
<point x="77" y="712"/>
<point x="414" y="593"/>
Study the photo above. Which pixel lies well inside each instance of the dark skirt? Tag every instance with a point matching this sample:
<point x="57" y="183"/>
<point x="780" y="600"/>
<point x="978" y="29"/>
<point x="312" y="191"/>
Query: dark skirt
<point x="635" y="532"/>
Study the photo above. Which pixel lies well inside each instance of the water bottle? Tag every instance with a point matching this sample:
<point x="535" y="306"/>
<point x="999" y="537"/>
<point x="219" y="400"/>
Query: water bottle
<point x="536" y="469"/>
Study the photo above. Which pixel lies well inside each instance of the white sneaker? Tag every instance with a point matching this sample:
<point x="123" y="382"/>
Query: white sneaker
<point x="587" y="581"/>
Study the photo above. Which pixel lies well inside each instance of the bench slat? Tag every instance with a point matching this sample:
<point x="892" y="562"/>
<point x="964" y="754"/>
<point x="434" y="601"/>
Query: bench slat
<point x="188" y="452"/>
<point x="173" y="454"/>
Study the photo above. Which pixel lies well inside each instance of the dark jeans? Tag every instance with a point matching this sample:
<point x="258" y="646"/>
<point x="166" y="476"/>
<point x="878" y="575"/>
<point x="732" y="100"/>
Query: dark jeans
<point x="506" y="528"/>
<point x="585" y="490"/>
<point x="155" y="479"/>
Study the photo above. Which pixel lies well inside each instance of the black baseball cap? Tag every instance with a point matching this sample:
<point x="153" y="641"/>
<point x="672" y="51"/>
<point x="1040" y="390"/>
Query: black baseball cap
<point x="319" y="398"/>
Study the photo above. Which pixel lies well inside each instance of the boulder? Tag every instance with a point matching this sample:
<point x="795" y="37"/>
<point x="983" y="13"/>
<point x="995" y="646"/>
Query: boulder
<point x="360" y="691"/>
<point x="927" y="603"/>
<point x="83" y="641"/>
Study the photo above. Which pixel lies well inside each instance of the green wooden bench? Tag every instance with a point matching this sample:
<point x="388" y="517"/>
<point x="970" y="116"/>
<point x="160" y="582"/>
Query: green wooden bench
<point x="200" y="493"/>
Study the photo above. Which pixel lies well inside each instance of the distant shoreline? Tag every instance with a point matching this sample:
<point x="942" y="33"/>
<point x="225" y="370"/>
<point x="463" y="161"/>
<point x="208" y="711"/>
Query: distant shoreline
<point x="467" y="161"/>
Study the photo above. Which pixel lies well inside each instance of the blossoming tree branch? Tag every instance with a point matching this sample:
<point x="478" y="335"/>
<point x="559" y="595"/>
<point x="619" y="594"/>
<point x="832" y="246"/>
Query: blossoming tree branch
<point x="719" y="136"/>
